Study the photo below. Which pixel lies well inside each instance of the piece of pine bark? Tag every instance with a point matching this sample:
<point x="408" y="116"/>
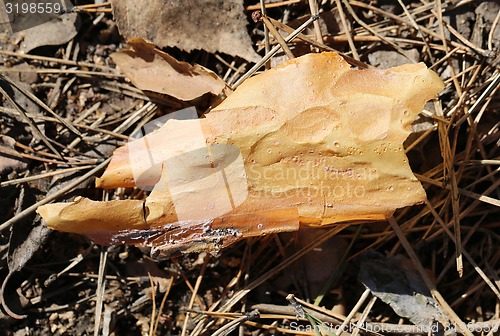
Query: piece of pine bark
<point x="151" y="69"/>
<point x="311" y="142"/>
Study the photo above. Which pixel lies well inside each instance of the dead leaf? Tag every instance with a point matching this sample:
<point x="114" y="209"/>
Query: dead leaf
<point x="214" y="26"/>
<point x="312" y="136"/>
<point x="56" y="32"/>
<point x="154" y="70"/>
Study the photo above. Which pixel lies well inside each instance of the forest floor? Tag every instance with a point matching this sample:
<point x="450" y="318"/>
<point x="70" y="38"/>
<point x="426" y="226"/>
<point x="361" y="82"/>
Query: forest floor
<point x="59" y="80"/>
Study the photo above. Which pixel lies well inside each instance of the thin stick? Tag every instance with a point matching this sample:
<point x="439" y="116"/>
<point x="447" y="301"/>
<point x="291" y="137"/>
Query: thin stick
<point x="444" y="58"/>
<point x="43" y="175"/>
<point x="400" y="20"/>
<point x="354" y="310"/>
<point x="195" y="292"/>
<point x="101" y="285"/>
<point x="449" y="170"/>
<point x="29" y="156"/>
<point x="162" y="304"/>
<point x="492" y="31"/>
<point x="466" y="254"/>
<point x="461" y="73"/>
<point x="486" y="53"/>
<point x="439" y="16"/>
<point x="96" y="5"/>
<point x="480" y="162"/>
<point x="444" y="270"/>
<point x="272" y="5"/>
<point x="56" y="60"/>
<point x="153" y="299"/>
<point x="322" y="46"/>
<point x="489" y="90"/>
<point x="104" y="7"/>
<point x="419" y="139"/>
<point x="313" y="7"/>
<point x="64" y="71"/>
<point x="364" y="316"/>
<point x="367" y="27"/>
<point x="97" y="10"/>
<point x="329" y="313"/>
<point x="229" y="327"/>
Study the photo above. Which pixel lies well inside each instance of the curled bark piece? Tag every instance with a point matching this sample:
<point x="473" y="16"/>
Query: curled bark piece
<point x="312" y="135"/>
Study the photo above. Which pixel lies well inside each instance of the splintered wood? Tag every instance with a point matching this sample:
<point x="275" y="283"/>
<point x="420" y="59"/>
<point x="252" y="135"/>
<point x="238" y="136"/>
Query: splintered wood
<point x="310" y="142"/>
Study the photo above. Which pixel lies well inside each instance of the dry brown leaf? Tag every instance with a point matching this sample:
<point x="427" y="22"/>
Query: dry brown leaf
<point x="214" y="26"/>
<point x="312" y="137"/>
<point x="151" y="69"/>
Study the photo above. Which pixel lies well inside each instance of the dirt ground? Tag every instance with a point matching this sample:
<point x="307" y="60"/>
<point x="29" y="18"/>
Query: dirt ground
<point x="386" y="276"/>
